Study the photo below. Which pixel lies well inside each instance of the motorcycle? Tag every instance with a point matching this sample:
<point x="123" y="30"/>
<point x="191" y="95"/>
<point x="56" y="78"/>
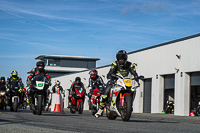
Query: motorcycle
<point x="169" y="107"/>
<point x="121" y="97"/>
<point x="38" y="89"/>
<point x="95" y="99"/>
<point x="2" y="99"/>
<point x="77" y="101"/>
<point x="15" y="97"/>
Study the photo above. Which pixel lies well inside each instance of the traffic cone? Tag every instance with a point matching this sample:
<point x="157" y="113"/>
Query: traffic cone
<point x="57" y="107"/>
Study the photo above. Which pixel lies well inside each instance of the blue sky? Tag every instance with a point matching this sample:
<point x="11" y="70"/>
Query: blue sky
<point x="94" y="28"/>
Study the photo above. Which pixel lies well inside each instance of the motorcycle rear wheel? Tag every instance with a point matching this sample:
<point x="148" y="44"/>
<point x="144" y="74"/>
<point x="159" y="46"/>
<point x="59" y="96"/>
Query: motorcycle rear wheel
<point x="93" y="111"/>
<point x="110" y="115"/>
<point x="126" y="112"/>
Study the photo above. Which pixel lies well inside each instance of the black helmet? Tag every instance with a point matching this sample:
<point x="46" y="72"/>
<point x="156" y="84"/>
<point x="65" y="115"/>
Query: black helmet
<point x="78" y="80"/>
<point x="40" y="65"/>
<point x="3" y="80"/>
<point x="121" y="55"/>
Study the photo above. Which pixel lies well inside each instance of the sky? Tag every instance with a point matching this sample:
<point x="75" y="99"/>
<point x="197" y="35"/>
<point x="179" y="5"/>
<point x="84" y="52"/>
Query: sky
<point x="93" y="28"/>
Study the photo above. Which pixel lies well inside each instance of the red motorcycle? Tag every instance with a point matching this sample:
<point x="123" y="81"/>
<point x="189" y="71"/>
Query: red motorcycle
<point x="95" y="99"/>
<point x="78" y="98"/>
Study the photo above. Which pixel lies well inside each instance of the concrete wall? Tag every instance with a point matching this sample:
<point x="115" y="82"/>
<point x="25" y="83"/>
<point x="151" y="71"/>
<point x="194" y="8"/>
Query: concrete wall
<point x="160" y="60"/>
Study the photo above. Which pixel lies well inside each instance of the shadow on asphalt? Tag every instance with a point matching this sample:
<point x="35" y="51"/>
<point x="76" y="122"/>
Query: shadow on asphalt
<point x="150" y="121"/>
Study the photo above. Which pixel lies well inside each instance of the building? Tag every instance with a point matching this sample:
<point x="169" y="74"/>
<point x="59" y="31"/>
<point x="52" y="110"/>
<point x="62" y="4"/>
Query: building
<point x="171" y="69"/>
<point x="59" y="65"/>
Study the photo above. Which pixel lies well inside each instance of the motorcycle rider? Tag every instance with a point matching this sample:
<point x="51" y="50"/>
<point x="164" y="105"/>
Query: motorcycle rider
<point x="2" y="84"/>
<point x="55" y="90"/>
<point x="122" y="66"/>
<point x="39" y="70"/>
<point x="94" y="80"/>
<point x="14" y="79"/>
<point x="76" y="84"/>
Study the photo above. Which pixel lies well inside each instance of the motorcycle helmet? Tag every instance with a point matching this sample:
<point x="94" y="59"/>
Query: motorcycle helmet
<point x="121" y="57"/>
<point x="78" y="80"/>
<point x="3" y="80"/>
<point x="93" y="74"/>
<point x="40" y="65"/>
<point x="14" y="74"/>
<point x="57" y="83"/>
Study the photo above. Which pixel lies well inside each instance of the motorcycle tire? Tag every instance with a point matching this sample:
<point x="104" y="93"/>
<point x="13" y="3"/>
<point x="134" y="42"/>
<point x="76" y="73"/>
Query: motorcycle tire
<point x="39" y="105"/>
<point x="35" y="112"/>
<point x="93" y="111"/>
<point x="15" y="104"/>
<point x="2" y="103"/>
<point x="126" y="112"/>
<point x="110" y="115"/>
<point x="71" y="110"/>
<point x="80" y="111"/>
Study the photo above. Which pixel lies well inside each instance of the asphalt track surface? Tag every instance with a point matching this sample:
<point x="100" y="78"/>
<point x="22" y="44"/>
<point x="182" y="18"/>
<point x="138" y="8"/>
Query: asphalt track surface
<point x="25" y="121"/>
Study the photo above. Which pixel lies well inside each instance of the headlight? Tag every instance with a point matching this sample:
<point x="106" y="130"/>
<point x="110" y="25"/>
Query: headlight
<point x="2" y="93"/>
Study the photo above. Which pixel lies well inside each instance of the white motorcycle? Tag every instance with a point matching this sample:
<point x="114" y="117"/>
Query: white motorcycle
<point x="121" y="98"/>
<point x="39" y="89"/>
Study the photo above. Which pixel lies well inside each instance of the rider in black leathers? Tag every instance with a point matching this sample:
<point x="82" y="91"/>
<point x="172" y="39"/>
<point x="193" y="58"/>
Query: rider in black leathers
<point x="2" y="84"/>
<point x="12" y="80"/>
<point x="94" y="80"/>
<point x="122" y="66"/>
<point x="39" y="70"/>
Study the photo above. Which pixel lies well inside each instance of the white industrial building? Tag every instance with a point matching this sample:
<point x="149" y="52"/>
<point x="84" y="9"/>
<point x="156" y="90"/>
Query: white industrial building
<point x="170" y="69"/>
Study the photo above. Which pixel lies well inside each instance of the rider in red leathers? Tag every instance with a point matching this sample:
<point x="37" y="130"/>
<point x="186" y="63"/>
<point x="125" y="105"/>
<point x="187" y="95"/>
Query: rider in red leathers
<point x="76" y="84"/>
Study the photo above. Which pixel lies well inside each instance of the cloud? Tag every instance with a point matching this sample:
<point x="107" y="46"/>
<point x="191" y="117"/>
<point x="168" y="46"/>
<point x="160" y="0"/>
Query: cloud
<point x="144" y="8"/>
<point x="30" y="43"/>
<point x="47" y="26"/>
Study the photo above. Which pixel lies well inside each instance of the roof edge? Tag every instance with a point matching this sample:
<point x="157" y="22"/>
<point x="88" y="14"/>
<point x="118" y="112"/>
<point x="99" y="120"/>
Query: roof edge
<point x="166" y="43"/>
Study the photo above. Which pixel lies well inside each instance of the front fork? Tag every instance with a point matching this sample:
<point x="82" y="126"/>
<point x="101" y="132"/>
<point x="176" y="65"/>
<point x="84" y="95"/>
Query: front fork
<point x="122" y="98"/>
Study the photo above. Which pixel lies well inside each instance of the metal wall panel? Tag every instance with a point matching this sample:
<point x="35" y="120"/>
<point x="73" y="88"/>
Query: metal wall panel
<point x="147" y="96"/>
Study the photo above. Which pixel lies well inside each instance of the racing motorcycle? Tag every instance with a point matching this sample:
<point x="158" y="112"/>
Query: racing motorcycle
<point x="121" y="97"/>
<point x="77" y="101"/>
<point x="2" y="99"/>
<point x="15" y="96"/>
<point x="39" y="88"/>
<point x="95" y="99"/>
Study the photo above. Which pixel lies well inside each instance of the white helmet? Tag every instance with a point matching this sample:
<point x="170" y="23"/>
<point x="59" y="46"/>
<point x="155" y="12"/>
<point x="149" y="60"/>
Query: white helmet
<point x="199" y="103"/>
<point x="57" y="82"/>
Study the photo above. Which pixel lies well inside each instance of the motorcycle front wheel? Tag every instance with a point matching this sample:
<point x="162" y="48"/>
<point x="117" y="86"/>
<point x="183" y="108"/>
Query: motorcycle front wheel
<point x="127" y="109"/>
<point x="2" y="103"/>
<point x="39" y="105"/>
<point x="80" y="111"/>
<point x="15" y="104"/>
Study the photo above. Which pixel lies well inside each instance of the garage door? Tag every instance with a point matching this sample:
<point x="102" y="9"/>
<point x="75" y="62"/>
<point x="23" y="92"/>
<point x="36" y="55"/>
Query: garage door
<point x="195" y="78"/>
<point x="147" y="96"/>
<point x="169" y="81"/>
